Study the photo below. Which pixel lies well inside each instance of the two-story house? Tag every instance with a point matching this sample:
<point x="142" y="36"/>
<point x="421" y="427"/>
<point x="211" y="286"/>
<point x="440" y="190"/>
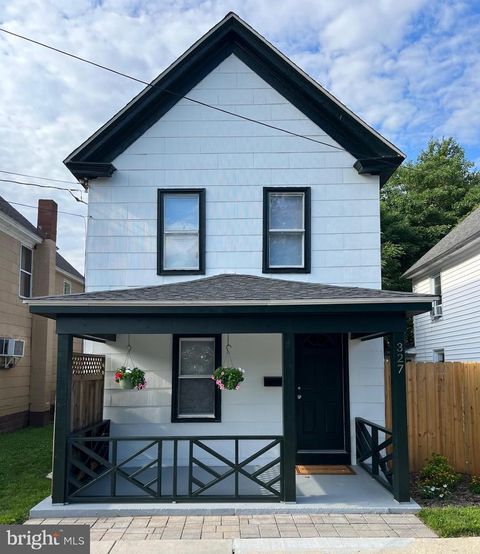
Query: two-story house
<point x="233" y="202"/>
<point x="450" y="270"/>
<point x="29" y="266"/>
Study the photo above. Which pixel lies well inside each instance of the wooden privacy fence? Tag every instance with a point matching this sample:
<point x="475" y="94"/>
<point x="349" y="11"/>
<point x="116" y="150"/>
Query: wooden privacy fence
<point x="443" y="401"/>
<point x="88" y="376"/>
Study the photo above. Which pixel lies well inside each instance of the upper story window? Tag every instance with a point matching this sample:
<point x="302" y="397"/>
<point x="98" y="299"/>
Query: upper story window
<point x="439" y="355"/>
<point x="26" y="260"/>
<point x="436" y="287"/>
<point x="286" y="230"/>
<point x="67" y="287"/>
<point x="194" y="394"/>
<point x="181" y="231"/>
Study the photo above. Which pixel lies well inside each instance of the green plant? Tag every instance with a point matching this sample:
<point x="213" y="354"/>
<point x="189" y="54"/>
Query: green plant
<point x="228" y="377"/>
<point x="474" y="485"/>
<point x="135" y="375"/>
<point x="437" y="479"/>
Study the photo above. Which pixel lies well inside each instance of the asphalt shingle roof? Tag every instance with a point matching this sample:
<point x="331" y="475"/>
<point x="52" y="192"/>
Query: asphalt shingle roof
<point x="464" y="232"/>
<point x="231" y="288"/>
<point x="14" y="214"/>
<point x="62" y="264"/>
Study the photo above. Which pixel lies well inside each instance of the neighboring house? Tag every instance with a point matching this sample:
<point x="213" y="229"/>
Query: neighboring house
<point x="451" y="270"/>
<point x="29" y="266"/>
<point x="206" y="229"/>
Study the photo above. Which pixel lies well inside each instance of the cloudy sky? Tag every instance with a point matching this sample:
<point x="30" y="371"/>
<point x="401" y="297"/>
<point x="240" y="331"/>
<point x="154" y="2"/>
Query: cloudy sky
<point x="410" y="68"/>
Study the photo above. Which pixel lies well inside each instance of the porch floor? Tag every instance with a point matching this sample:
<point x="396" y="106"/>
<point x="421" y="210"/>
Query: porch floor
<point x="332" y="494"/>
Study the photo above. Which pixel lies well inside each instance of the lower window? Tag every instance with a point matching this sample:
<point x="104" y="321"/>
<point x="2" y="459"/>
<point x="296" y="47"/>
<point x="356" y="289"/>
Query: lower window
<point x="194" y="394"/>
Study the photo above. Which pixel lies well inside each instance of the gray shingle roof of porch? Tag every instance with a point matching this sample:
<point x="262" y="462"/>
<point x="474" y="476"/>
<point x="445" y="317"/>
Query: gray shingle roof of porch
<point x="236" y="289"/>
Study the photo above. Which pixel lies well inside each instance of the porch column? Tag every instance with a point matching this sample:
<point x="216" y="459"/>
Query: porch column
<point x="289" y="424"/>
<point x="62" y="417"/>
<point x="401" y="478"/>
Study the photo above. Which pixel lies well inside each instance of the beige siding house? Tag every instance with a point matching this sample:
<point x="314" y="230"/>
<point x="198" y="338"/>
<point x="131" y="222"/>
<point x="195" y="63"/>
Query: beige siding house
<point x="29" y="266"/>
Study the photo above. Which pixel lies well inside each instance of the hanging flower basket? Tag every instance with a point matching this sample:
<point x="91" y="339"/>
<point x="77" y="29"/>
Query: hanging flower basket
<point x="130" y="378"/>
<point x="228" y="378"/>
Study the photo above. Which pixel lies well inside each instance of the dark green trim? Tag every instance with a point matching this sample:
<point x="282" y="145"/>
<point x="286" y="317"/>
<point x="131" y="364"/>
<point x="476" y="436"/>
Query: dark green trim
<point x="308" y="225"/>
<point x="97" y="338"/>
<point x="125" y="309"/>
<point x="201" y="232"/>
<point x="401" y="475"/>
<point x="258" y="323"/>
<point x="289" y="419"/>
<point x="175" y="372"/>
<point x="91" y="170"/>
<point x="62" y="417"/>
<point x="367" y="336"/>
<point x="232" y="36"/>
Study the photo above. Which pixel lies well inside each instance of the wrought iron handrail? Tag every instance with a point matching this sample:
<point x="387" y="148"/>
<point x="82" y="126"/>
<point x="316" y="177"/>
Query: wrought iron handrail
<point x="95" y="460"/>
<point x="373" y="455"/>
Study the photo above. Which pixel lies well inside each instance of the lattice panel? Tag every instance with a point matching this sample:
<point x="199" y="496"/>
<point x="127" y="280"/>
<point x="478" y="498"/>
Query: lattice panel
<point x="88" y="364"/>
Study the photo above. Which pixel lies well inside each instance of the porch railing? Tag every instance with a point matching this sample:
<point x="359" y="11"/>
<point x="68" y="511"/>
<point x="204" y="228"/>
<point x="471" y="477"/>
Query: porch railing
<point x="375" y="451"/>
<point x="174" y="469"/>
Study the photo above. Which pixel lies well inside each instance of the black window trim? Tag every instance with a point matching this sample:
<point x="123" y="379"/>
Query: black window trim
<point x="175" y="372"/>
<point x="266" y="225"/>
<point x="201" y="231"/>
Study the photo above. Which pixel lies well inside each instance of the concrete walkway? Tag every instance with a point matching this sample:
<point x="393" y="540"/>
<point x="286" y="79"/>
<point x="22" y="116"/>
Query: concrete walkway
<point x="288" y="526"/>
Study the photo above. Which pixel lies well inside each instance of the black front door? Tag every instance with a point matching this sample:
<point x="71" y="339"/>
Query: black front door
<point x="321" y="399"/>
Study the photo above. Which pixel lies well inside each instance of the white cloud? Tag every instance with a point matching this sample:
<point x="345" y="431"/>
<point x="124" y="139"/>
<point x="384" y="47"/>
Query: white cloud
<point x="409" y="68"/>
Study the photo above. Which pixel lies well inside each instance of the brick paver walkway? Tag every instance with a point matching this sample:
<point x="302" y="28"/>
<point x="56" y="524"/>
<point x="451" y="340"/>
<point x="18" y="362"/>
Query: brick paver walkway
<point x="250" y="526"/>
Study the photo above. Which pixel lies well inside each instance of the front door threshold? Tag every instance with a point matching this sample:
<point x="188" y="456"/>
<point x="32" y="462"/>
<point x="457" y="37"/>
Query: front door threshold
<point x="319" y="457"/>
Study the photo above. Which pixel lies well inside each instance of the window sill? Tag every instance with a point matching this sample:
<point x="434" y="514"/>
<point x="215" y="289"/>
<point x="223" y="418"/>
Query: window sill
<point x="286" y="270"/>
<point x="181" y="272"/>
<point x="195" y="420"/>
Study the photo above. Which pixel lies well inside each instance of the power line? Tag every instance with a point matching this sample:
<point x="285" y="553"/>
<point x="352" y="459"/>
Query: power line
<point x="146" y="83"/>
<point x="46" y="209"/>
<point x="37" y="177"/>
<point x="70" y="191"/>
<point x="199" y="102"/>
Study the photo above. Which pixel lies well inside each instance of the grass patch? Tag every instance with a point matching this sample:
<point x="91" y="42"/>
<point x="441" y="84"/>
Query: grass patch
<point x="25" y="460"/>
<point x="453" y="521"/>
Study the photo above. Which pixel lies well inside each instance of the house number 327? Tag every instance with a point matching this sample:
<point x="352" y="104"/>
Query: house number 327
<point x="400" y="357"/>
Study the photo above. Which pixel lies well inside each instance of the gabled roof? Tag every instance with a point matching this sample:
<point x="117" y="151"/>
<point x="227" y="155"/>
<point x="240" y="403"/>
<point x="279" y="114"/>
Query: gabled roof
<point x="234" y="289"/>
<point x="465" y="232"/>
<point x="65" y="266"/>
<point x="373" y="153"/>
<point x="14" y="214"/>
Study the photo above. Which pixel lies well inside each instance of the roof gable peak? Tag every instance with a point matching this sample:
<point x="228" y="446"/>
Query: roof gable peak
<point x="232" y="35"/>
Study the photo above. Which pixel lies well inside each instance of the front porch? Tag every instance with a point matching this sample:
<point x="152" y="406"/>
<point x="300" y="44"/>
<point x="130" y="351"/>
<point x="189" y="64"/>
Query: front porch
<point x="98" y="465"/>
<point x="316" y="494"/>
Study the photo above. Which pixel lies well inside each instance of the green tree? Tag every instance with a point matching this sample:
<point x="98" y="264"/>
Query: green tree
<point x="421" y="203"/>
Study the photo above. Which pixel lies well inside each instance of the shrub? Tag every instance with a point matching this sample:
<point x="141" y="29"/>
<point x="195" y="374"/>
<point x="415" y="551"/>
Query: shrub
<point x="437" y="479"/>
<point x="474" y="485"/>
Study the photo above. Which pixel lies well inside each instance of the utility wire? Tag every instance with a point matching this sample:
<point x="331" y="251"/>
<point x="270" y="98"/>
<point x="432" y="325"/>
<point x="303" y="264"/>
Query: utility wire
<point x="37" y="177"/>
<point x="70" y="191"/>
<point x="46" y="209"/>
<point x="199" y="102"/>
<point x="137" y="80"/>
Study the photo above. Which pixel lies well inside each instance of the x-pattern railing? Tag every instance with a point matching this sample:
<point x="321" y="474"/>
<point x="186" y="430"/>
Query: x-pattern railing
<point x="375" y="455"/>
<point x="95" y="460"/>
<point x="237" y="468"/>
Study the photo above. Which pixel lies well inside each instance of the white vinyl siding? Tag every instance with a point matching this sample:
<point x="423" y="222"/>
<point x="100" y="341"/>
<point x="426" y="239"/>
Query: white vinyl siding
<point x="457" y="332"/>
<point x="193" y="146"/>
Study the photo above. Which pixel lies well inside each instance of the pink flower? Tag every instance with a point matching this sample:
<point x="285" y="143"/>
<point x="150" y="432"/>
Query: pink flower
<point x="237" y="387"/>
<point x="221" y="386"/>
<point x="218" y="381"/>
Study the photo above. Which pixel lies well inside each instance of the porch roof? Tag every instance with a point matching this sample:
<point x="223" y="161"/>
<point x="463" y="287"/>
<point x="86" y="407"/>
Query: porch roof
<point x="234" y="290"/>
